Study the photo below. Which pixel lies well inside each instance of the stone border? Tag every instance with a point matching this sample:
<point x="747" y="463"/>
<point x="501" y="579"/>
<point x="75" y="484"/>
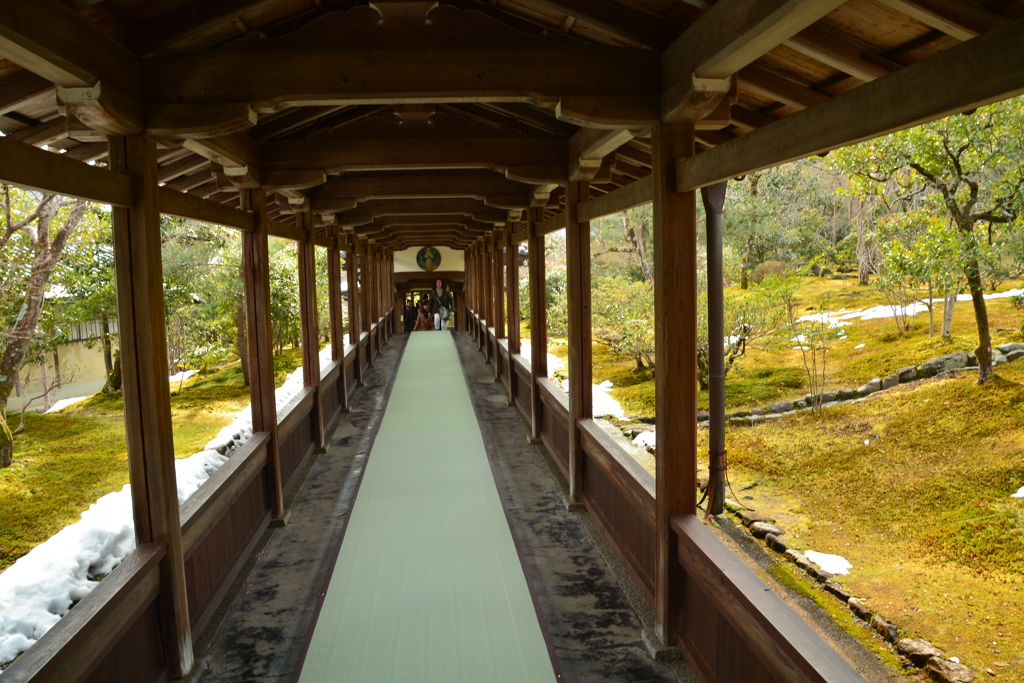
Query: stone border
<point x="913" y="652"/>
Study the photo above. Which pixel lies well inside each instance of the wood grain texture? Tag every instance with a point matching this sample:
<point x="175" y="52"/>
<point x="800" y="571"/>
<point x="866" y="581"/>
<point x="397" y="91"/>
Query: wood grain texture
<point x="538" y="317"/>
<point x="577" y="257"/>
<point x="25" y="165"/>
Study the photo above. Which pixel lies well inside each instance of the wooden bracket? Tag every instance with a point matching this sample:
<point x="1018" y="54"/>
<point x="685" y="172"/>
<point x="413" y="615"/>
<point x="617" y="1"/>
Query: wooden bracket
<point x="102" y="108"/>
<point x="701" y="99"/>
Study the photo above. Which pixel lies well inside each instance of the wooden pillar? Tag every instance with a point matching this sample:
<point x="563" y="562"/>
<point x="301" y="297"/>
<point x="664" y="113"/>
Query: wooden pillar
<point x="538" y="318"/>
<point x="481" y="297"/>
<point x="256" y="266"/>
<point x="498" y="300"/>
<point x="147" y="400"/>
<point x="675" y="301"/>
<point x="337" y="322"/>
<point x="354" y="314"/>
<point x="512" y="299"/>
<point x="365" y="300"/>
<point x="309" y="323"/>
<point x="581" y="399"/>
<point x="488" y="288"/>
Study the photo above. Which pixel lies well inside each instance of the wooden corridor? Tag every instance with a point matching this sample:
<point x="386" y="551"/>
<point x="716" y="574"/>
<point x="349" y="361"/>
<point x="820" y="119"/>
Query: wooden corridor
<point x="427" y="585"/>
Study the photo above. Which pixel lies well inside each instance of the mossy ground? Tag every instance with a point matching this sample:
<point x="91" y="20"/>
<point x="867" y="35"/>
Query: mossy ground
<point x="64" y="461"/>
<point x="911" y="485"/>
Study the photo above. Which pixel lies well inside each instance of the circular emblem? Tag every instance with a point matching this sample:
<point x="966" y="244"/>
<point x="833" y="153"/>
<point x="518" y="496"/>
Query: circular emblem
<point x="428" y="259"/>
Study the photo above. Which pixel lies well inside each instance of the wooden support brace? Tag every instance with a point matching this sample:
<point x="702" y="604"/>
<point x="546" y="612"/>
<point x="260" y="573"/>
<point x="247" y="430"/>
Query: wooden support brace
<point x="675" y="301"/>
<point x="512" y="299"/>
<point x="354" y="328"/>
<point x="577" y="247"/>
<point x="259" y="336"/>
<point x="538" y="320"/>
<point x="337" y="325"/>
<point x="309" y="325"/>
<point x="147" y="402"/>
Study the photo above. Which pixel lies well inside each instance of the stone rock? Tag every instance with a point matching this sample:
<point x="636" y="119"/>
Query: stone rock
<point x="1010" y="348"/>
<point x="737" y="421"/>
<point x="859" y="608"/>
<point x="945" y="671"/>
<point x="825" y="272"/>
<point x="703" y="416"/>
<point x="775" y="543"/>
<point x="819" y="575"/>
<point x="797" y="558"/>
<point x="847" y="394"/>
<point x="1014" y="355"/>
<point x="952" y="361"/>
<point x="918" y="651"/>
<point x="887" y="630"/>
<point x="837" y="590"/>
<point x="799" y="404"/>
<point x="889" y="381"/>
<point x="907" y="374"/>
<point x="871" y="387"/>
<point x="756" y="419"/>
<point x="998" y="359"/>
<point x="758" y="411"/>
<point x="780" y="407"/>
<point x="762" y="529"/>
<point x="826" y="397"/>
<point x="748" y="517"/>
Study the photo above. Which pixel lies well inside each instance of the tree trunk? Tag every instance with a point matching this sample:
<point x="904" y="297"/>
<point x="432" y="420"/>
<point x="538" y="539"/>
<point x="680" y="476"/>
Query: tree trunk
<point x="947" y="313"/>
<point x="6" y="438"/>
<point x="984" y="350"/>
<point x="745" y="266"/>
<point x="931" y="310"/>
<point x="108" y="360"/>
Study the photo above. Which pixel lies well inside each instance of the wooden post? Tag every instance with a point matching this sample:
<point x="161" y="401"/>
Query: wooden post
<point x="675" y="301"/>
<point x="147" y="401"/>
<point x="481" y="299"/>
<point x="365" y="300"/>
<point x="309" y="324"/>
<point x="498" y="300"/>
<point x="256" y="266"/>
<point x="581" y="399"/>
<point x="337" y="321"/>
<point x="512" y="299"/>
<point x="489" y="294"/>
<point x="538" y="319"/>
<point x="354" y="314"/>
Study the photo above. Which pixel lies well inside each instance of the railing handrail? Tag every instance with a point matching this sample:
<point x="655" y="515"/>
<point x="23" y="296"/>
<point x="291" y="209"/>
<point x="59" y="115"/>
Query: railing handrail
<point x="636" y="482"/>
<point x="293" y="412"/>
<point x="554" y="395"/>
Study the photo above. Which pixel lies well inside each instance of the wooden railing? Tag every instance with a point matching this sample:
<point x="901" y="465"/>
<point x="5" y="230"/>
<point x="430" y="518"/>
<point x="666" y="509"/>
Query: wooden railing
<point x="114" y="633"/>
<point x="735" y="628"/>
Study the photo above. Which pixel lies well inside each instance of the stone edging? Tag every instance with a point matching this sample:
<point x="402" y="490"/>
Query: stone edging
<point x="913" y="652"/>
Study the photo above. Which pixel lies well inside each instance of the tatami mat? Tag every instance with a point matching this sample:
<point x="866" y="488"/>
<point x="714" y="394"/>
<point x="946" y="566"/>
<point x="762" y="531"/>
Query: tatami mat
<point x="428" y="585"/>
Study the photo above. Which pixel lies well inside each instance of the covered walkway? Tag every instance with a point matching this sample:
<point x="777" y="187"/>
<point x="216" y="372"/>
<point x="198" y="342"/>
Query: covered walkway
<point x="593" y="628"/>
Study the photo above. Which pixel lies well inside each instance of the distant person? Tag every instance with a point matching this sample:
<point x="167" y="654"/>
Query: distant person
<point x="410" y="315"/>
<point x="423" y="319"/>
<point x="441" y="304"/>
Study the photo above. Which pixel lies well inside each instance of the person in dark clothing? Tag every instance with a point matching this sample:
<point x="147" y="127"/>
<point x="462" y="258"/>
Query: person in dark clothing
<point x="441" y="304"/>
<point x="423" y="319"/>
<point x="410" y="315"/>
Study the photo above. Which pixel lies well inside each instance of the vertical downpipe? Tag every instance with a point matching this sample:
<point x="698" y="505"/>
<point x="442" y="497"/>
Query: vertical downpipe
<point x="714" y="199"/>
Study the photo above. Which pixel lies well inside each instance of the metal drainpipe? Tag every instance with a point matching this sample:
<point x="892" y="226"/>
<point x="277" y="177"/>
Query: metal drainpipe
<point x="714" y="199"/>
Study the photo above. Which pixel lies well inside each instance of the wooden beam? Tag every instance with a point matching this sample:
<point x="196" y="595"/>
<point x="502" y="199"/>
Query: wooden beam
<point x="147" y="403"/>
<point x="964" y="77"/>
<point x="182" y="121"/>
<point x="962" y="20"/>
<point x="53" y="41"/>
<point x="552" y="224"/>
<point x="538" y="321"/>
<point x="102" y="107"/>
<point x="626" y="197"/>
<point x="421" y="207"/>
<point x="612" y="18"/>
<point x="21" y="89"/>
<point x="190" y="206"/>
<point x="259" y="339"/>
<point x="726" y="38"/>
<point x="41" y="133"/>
<point x="589" y="147"/>
<point x="29" y="166"/>
<point x="339" y="194"/>
<point x="237" y="150"/>
<point x="272" y="78"/>
<point x="581" y="401"/>
<point x="675" y="331"/>
<point x="766" y="84"/>
<point x="834" y="50"/>
<point x="343" y="154"/>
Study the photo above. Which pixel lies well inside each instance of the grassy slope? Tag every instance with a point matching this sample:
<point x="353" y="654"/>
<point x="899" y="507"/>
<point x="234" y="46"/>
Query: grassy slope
<point x="912" y="487"/>
<point x="65" y="461"/>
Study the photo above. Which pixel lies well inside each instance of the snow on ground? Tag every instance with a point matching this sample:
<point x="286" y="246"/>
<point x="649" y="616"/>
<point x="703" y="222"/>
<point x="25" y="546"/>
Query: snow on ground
<point x="64" y="403"/>
<point x="181" y="376"/>
<point x="646" y="440"/>
<point x="1019" y="494"/>
<point x="860" y="346"/>
<point x="553" y="362"/>
<point x="42" y="585"/>
<point x="833" y="564"/>
<point x="605" y="405"/>
<point x="838" y="318"/>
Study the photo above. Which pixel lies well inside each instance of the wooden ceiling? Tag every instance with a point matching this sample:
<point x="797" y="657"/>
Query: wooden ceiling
<point x="433" y="122"/>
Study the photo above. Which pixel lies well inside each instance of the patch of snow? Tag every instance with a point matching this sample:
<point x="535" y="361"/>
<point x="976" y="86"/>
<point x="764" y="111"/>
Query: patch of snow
<point x="1019" y="494"/>
<point x="860" y="346"/>
<point x="40" y="587"/>
<point x="605" y="405"/>
<point x="645" y="440"/>
<point x="181" y="376"/>
<point x="64" y="403"/>
<point x="525" y="350"/>
<point x="833" y="564"/>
